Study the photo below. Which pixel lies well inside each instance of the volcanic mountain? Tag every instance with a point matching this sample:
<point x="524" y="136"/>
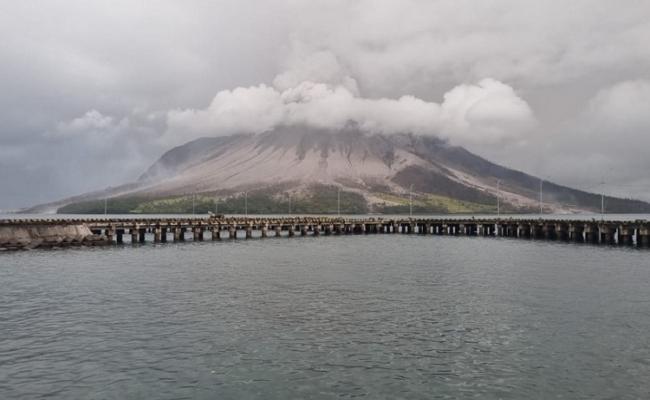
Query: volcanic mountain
<point x="304" y="169"/>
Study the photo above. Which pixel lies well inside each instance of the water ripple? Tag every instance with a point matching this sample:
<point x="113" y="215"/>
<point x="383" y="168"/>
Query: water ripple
<point x="370" y="316"/>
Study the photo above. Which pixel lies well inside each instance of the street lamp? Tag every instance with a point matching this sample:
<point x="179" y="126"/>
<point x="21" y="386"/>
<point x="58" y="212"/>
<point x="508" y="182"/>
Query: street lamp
<point x="541" y="196"/>
<point x="246" y="204"/>
<point x="411" y="201"/>
<point x="338" y="202"/>
<point x="498" y="198"/>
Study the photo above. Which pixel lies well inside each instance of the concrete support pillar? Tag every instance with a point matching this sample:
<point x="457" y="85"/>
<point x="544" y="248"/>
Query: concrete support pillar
<point x="177" y="234"/>
<point x="198" y="233"/>
<point x="524" y="231"/>
<point x="486" y="229"/>
<point x="626" y="235"/>
<point x="142" y="232"/>
<point x="157" y="234"/>
<point x="591" y="233"/>
<point x="216" y="232"/>
<point x="292" y="231"/>
<point x="643" y="236"/>
<point x="110" y="234"/>
<point x="264" y="230"/>
<point x="607" y="234"/>
<point x="119" y="235"/>
<point x="134" y="235"/>
<point x="337" y="229"/>
<point x="182" y="235"/>
<point x="249" y="231"/>
<point x="470" y="230"/>
<point x="232" y="232"/>
<point x="549" y="231"/>
<point x="562" y="231"/>
<point x="278" y="230"/>
<point x="328" y="229"/>
<point x="163" y="234"/>
<point x="316" y="229"/>
<point x="303" y="230"/>
<point x="505" y="230"/>
<point x="500" y="230"/>
<point x="576" y="232"/>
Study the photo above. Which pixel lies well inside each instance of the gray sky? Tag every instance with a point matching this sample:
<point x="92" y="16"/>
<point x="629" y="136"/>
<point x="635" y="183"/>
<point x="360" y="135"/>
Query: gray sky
<point x="92" y="92"/>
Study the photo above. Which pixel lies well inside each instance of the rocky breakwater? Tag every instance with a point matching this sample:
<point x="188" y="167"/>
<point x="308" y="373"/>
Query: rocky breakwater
<point x="25" y="234"/>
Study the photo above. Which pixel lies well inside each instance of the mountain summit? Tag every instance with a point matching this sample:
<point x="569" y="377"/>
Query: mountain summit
<point x="375" y="173"/>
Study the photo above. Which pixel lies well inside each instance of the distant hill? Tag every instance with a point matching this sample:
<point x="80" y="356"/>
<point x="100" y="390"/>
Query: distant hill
<point x="307" y="167"/>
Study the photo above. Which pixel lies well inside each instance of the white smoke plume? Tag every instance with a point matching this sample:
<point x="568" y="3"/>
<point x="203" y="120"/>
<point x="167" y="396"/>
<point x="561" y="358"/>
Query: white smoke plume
<point x="318" y="92"/>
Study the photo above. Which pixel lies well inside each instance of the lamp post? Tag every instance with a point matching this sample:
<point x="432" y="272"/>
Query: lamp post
<point x="338" y="202"/>
<point x="541" y="196"/>
<point x="411" y="201"/>
<point x="498" y="198"/>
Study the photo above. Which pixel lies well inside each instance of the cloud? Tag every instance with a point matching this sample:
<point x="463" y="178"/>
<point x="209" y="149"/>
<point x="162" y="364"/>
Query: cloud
<point x="622" y="107"/>
<point x="374" y="60"/>
<point x="92" y="123"/>
<point x="607" y="141"/>
<point x="488" y="112"/>
<point x="321" y="66"/>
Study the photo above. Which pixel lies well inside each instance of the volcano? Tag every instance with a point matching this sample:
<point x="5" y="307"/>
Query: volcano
<point x="315" y="168"/>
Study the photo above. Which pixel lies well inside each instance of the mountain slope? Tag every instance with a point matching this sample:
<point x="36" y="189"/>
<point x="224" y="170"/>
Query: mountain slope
<point x="376" y="172"/>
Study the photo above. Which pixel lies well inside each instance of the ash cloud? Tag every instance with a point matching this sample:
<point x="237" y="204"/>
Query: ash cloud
<point x="564" y="97"/>
<point x="487" y="112"/>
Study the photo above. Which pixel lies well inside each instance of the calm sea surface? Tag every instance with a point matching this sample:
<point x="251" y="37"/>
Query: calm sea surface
<point x="377" y="316"/>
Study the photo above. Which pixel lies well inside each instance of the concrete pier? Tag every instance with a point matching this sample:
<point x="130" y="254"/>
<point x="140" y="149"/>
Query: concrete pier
<point x="109" y="230"/>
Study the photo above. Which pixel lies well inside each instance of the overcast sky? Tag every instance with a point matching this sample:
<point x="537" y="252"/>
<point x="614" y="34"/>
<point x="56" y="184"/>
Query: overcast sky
<point x="92" y="92"/>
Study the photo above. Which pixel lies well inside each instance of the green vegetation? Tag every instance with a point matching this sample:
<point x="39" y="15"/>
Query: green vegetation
<point x="430" y="203"/>
<point x="319" y="200"/>
<point x="118" y="205"/>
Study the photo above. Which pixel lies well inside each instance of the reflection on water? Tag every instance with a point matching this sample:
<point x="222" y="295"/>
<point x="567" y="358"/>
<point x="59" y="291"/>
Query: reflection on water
<point x="381" y="316"/>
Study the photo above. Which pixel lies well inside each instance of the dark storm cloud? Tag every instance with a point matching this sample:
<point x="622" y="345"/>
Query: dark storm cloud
<point x="92" y="92"/>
